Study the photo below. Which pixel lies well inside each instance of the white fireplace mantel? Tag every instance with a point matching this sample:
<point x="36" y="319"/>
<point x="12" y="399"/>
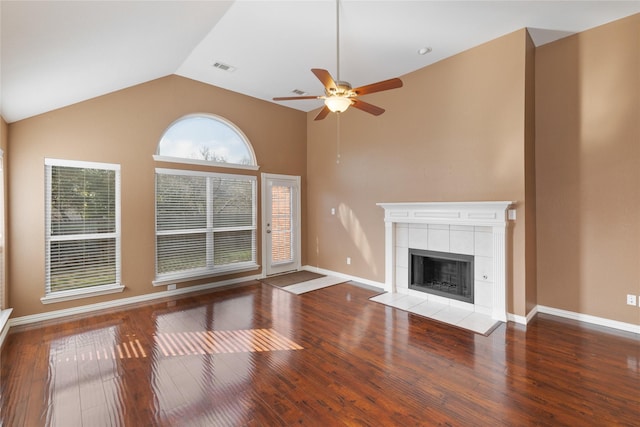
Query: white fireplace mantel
<point x="478" y="214"/>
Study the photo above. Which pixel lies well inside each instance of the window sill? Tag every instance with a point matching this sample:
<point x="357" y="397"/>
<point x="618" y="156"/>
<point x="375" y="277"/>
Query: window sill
<point x="81" y="293"/>
<point x="4" y="320"/>
<point x="168" y="159"/>
<point x="170" y="279"/>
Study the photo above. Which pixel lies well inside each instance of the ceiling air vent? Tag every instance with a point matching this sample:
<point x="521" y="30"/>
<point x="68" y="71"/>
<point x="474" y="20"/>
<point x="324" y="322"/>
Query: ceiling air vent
<point x="224" y="67"/>
<point x="299" y="92"/>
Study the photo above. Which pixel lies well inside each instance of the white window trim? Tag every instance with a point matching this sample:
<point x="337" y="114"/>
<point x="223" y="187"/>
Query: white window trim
<point x="168" y="279"/>
<point x="69" y="295"/>
<point x="72" y="294"/>
<point x="188" y="172"/>
<point x="203" y="273"/>
<point x="81" y="164"/>
<point x="297" y="222"/>
<point x="170" y="159"/>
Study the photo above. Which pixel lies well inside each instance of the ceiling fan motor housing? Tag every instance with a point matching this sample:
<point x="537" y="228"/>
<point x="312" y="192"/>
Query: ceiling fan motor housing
<point x="342" y="89"/>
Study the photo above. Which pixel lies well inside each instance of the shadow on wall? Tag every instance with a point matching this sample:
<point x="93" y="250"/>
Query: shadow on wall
<point x="354" y="230"/>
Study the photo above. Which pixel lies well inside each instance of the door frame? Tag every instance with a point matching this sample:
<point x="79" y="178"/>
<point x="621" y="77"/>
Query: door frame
<point x="264" y="177"/>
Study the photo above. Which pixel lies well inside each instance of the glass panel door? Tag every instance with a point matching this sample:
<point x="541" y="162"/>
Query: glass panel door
<point x="281" y="223"/>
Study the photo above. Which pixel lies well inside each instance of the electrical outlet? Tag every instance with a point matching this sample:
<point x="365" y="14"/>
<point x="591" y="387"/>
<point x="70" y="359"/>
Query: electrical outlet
<point x="631" y="299"/>
<point x="348" y="260"/>
<point x="333" y="211"/>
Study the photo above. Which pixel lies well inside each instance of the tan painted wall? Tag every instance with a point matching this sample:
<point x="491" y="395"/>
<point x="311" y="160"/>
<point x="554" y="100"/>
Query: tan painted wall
<point x="588" y="171"/>
<point x="530" y="180"/>
<point x="454" y="132"/>
<point x="3" y="134"/>
<point x="124" y="127"/>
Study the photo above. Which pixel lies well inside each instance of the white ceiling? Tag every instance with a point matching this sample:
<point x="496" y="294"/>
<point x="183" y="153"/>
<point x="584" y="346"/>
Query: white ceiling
<point x="56" y="53"/>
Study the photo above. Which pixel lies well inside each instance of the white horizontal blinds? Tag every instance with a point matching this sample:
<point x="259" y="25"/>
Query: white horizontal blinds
<point x="82" y="225"/>
<point x="181" y="223"/>
<point x="233" y="220"/>
<point x="204" y="222"/>
<point x="281" y="224"/>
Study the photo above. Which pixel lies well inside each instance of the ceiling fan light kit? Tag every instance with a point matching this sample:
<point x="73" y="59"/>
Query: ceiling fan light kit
<point x="338" y="104"/>
<point x="339" y="95"/>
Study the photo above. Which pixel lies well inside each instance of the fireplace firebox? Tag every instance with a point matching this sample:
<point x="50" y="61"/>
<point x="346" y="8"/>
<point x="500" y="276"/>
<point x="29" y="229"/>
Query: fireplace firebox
<point x="444" y="274"/>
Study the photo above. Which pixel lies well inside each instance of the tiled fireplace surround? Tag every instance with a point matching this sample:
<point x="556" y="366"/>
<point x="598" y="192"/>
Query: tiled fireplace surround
<point x="471" y="228"/>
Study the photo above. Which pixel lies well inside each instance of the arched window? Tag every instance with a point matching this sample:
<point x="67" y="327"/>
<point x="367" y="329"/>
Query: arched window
<point x="206" y="139"/>
<point x="206" y="221"/>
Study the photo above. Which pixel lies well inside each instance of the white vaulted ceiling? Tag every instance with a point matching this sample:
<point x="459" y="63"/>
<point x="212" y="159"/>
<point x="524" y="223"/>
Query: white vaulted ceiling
<point x="56" y="53"/>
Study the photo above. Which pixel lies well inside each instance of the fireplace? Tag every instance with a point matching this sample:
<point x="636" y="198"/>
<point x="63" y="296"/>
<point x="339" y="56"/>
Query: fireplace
<point x="476" y="229"/>
<point x="444" y="274"/>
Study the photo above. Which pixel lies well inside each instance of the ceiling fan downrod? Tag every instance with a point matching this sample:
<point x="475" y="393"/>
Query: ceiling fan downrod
<point x="339" y="95"/>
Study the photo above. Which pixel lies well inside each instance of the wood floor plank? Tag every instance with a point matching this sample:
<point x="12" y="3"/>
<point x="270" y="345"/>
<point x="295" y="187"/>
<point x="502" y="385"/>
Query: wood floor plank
<point x="257" y="355"/>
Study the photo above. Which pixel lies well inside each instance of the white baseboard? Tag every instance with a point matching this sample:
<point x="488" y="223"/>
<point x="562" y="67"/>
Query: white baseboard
<point x="51" y="315"/>
<point x="361" y="280"/>
<point x="522" y="320"/>
<point x="517" y="319"/>
<point x="40" y="317"/>
<point x="6" y="323"/>
<point x="601" y="321"/>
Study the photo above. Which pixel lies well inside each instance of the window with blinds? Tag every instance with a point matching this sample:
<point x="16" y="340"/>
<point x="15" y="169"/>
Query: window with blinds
<point x="82" y="227"/>
<point x="205" y="224"/>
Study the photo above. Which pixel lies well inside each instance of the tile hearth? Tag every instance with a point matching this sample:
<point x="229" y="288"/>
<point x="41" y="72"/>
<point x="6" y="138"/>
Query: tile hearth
<point x="455" y="316"/>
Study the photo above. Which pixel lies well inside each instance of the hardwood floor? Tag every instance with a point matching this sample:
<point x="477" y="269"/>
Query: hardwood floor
<point x="259" y="356"/>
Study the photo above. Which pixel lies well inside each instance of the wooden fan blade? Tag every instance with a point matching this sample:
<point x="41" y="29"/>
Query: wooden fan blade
<point x="323" y="113"/>
<point x="369" y="108"/>
<point x="293" y="98"/>
<point x="325" y="78"/>
<point x="379" y="87"/>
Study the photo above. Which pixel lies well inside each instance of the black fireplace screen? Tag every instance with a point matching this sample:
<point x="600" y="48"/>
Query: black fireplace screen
<point x="442" y="273"/>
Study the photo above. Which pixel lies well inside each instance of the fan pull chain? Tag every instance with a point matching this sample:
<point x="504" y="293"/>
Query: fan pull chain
<point x="338" y="75"/>
<point x="338" y="139"/>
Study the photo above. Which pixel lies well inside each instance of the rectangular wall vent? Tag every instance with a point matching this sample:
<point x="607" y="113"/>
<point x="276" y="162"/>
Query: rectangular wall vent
<point x="223" y="67"/>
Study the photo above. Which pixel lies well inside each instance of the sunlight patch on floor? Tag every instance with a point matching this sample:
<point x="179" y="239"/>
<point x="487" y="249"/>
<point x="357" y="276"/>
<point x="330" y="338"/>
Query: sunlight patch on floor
<point x="211" y="342"/>
<point x="189" y="343"/>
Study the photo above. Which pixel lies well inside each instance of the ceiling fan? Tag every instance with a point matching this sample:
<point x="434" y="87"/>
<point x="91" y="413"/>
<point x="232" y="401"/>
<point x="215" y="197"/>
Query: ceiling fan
<point x="339" y="95"/>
